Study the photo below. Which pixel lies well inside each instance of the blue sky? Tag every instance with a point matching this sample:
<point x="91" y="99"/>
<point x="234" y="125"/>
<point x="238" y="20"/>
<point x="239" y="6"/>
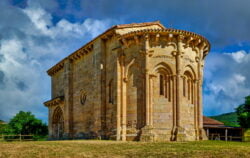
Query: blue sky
<point x="36" y="34"/>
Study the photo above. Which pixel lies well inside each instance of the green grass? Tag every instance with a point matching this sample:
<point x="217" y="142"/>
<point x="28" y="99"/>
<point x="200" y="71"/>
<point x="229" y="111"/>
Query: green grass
<point x="108" y="149"/>
<point x="229" y="119"/>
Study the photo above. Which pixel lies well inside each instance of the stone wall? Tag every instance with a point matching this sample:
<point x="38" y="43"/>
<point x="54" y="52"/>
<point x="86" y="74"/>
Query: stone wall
<point x="133" y="84"/>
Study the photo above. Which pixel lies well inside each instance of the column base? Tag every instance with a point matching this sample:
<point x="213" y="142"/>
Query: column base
<point x="153" y="134"/>
<point x="147" y="134"/>
<point x="184" y="134"/>
<point x="202" y="134"/>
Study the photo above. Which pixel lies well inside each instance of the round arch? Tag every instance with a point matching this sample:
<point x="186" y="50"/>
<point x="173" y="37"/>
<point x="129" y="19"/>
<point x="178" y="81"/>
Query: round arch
<point x="58" y="123"/>
<point x="189" y="69"/>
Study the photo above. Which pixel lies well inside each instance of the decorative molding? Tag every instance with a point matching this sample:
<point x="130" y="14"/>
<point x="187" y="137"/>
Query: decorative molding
<point x="171" y="34"/>
<point x="200" y="42"/>
<point x="54" y="102"/>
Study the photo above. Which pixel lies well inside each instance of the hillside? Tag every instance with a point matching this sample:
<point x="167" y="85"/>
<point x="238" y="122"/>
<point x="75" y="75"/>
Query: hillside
<point x="229" y="119"/>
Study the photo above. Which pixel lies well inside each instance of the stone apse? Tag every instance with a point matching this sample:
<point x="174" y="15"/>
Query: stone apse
<point x="137" y="81"/>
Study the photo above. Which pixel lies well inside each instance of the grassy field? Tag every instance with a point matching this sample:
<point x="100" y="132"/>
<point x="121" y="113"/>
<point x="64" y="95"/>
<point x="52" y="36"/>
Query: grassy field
<point x="108" y="149"/>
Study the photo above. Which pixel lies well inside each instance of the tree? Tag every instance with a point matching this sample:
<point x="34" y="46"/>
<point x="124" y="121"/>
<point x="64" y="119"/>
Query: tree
<point x="3" y="127"/>
<point x="26" y="123"/>
<point x="243" y="113"/>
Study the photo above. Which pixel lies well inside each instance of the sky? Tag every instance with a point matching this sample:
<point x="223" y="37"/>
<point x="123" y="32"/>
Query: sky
<point x="36" y="34"/>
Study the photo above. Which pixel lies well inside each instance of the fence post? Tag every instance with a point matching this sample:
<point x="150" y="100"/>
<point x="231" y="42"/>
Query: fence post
<point x="20" y="138"/>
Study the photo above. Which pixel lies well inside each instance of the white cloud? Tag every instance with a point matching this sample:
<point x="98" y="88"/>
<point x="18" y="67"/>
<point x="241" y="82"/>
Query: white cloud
<point x="29" y="48"/>
<point x="238" y="56"/>
<point x="227" y="81"/>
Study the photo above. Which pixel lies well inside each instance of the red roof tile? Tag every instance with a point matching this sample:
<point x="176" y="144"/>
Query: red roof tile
<point x="209" y="121"/>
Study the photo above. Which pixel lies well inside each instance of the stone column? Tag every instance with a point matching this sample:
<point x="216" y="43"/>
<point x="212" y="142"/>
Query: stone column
<point x="178" y="79"/>
<point x="199" y="92"/>
<point x="147" y="90"/>
<point x="123" y="99"/>
<point x="119" y="95"/>
<point x="195" y="108"/>
<point x="151" y="100"/>
<point x="147" y="134"/>
<point x="173" y="96"/>
<point x="180" y="131"/>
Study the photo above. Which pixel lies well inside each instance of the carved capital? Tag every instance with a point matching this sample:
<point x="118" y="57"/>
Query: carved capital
<point x="152" y="75"/>
<point x="146" y="37"/>
<point x="180" y="38"/>
<point x="136" y="40"/>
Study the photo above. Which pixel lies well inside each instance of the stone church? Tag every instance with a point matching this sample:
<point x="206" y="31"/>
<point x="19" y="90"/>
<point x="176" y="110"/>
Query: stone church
<point x="138" y="81"/>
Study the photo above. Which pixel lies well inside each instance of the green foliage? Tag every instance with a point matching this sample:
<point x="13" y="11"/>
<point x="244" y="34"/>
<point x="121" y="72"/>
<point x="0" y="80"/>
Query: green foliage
<point x="243" y="113"/>
<point x="25" y="123"/>
<point x="229" y="119"/>
<point x="3" y="128"/>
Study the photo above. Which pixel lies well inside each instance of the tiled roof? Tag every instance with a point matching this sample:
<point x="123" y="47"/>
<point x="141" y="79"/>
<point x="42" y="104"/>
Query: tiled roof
<point x="139" y="24"/>
<point x="209" y="121"/>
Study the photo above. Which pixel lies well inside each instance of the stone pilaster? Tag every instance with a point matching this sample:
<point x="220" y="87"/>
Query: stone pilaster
<point x="68" y="102"/>
<point x="50" y="122"/>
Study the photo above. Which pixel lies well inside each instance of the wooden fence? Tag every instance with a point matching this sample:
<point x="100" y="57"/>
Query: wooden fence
<point x="16" y="137"/>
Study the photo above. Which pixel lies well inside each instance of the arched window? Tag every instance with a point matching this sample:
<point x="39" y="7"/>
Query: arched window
<point x="164" y="80"/>
<point x="188" y="86"/>
<point x="165" y="85"/>
<point x="162" y="84"/>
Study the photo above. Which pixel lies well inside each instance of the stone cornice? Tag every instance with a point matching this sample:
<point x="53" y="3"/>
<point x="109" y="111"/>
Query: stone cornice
<point x="189" y="36"/>
<point x="89" y="46"/>
<point x="54" y="101"/>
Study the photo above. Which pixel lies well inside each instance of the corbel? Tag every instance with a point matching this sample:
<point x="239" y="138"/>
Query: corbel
<point x="125" y="43"/>
<point x="197" y="42"/>
<point x="180" y="37"/>
<point x="136" y="39"/>
<point x="189" y="40"/>
<point x="157" y="37"/>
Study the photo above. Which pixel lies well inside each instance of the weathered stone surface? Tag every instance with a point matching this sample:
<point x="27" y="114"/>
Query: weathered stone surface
<point x="133" y="82"/>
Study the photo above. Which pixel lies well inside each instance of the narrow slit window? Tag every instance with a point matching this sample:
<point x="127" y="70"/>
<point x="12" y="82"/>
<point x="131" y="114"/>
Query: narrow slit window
<point x="161" y="85"/>
<point x="184" y="86"/>
<point x="166" y="85"/>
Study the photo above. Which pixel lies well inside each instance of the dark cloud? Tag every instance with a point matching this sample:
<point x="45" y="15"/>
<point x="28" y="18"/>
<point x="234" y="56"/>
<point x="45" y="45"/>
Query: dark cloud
<point x="1" y="77"/>
<point x="30" y="43"/>
<point x="21" y="85"/>
<point x="1" y="57"/>
<point x="222" y="22"/>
